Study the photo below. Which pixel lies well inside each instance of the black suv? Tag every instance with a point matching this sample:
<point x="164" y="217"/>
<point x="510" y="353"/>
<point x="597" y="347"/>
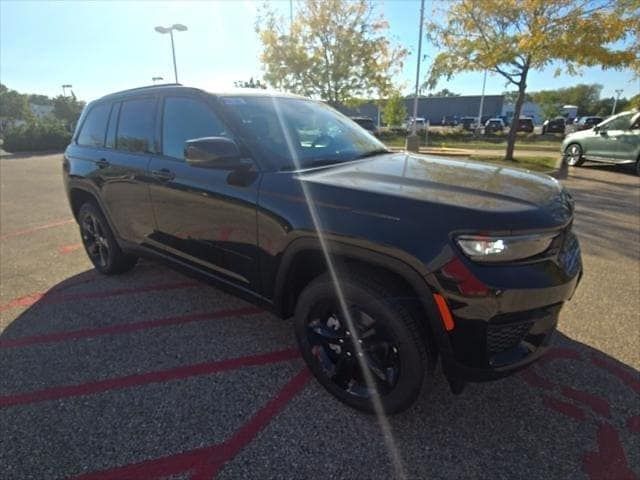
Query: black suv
<point x="386" y="261"/>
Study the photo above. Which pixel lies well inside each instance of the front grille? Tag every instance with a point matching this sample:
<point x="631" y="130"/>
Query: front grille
<point x="501" y="337"/>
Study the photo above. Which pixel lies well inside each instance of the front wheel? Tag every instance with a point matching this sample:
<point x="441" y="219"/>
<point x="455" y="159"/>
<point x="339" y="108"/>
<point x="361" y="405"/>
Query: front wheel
<point x="100" y="243"/>
<point x="371" y="356"/>
<point x="574" y="155"/>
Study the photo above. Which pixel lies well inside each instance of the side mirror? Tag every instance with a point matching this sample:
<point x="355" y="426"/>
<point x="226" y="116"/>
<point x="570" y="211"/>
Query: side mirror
<point x="596" y="128"/>
<point x="212" y="152"/>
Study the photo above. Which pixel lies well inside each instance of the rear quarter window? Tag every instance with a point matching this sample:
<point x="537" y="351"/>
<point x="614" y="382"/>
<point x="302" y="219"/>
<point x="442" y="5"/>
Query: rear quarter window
<point x="94" y="127"/>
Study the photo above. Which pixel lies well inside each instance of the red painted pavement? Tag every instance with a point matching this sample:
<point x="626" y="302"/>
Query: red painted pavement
<point x="28" y="231"/>
<point x="160" y="376"/>
<point x="205" y="463"/>
<point x="124" y="327"/>
<point x="54" y="297"/>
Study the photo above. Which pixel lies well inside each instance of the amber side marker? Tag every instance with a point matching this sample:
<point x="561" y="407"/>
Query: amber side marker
<point x="445" y="313"/>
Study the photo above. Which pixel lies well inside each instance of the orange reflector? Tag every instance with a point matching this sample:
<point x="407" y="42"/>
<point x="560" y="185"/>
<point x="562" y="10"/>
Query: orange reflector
<point x="445" y="313"/>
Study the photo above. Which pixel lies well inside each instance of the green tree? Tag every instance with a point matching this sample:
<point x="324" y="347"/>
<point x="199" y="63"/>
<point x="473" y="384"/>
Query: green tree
<point x="13" y="105"/>
<point x="335" y="50"/>
<point x="634" y="102"/>
<point x="513" y="37"/>
<point x="585" y="97"/>
<point x="445" y="92"/>
<point x="395" y="111"/>
<point x="37" y="99"/>
<point x="250" y="84"/>
<point x="67" y="109"/>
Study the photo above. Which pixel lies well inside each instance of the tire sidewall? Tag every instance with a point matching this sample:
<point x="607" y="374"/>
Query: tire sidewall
<point x="413" y="363"/>
<point x="580" y="160"/>
<point x="90" y="208"/>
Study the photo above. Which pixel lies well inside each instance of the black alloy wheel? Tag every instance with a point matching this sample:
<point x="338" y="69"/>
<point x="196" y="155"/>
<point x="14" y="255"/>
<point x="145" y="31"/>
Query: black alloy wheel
<point x="374" y="354"/>
<point x="100" y="244"/>
<point x="343" y="355"/>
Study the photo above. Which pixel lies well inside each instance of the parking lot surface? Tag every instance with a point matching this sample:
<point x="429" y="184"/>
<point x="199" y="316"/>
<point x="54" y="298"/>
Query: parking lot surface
<point x="153" y="374"/>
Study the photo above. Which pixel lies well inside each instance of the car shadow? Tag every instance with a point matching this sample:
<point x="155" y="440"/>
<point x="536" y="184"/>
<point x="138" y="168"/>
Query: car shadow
<point x="606" y="218"/>
<point x="575" y="410"/>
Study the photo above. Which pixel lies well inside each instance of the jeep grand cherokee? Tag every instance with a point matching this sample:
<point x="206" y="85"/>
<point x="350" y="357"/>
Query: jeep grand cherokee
<point x="386" y="261"/>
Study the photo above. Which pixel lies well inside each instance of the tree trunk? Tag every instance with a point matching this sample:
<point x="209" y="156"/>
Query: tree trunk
<point x="511" y="139"/>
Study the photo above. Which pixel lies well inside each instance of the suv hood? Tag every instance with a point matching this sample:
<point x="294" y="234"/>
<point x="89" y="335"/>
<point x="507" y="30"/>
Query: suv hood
<point x="458" y="183"/>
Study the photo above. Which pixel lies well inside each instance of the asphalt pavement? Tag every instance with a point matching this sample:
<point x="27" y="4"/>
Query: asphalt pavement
<point x="153" y="374"/>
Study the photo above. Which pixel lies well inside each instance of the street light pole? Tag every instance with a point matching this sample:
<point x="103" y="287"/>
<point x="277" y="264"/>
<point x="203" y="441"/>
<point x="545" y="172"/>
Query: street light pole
<point x="415" y="98"/>
<point x="180" y="28"/>
<point x="484" y="83"/>
<point x="413" y="142"/>
<point x="615" y="101"/>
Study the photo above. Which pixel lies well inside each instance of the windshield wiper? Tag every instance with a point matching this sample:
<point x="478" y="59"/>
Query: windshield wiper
<point x="373" y="153"/>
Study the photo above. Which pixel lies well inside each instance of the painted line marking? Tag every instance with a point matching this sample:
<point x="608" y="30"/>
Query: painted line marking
<point x="53" y="297"/>
<point x="125" y="327"/>
<point x="27" y="231"/>
<point x="160" y="376"/>
<point x="205" y="463"/>
<point x="64" y="249"/>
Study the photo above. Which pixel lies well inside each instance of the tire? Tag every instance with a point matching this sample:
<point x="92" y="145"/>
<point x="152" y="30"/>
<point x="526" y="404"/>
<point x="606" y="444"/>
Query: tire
<point x="392" y="343"/>
<point x="573" y="154"/>
<point x="100" y="243"/>
<point x="638" y="166"/>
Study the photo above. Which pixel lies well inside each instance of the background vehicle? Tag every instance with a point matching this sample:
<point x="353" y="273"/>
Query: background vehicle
<point x="420" y="123"/>
<point x="616" y="140"/>
<point x="554" y="125"/>
<point x="366" y="123"/>
<point x="450" y="121"/>
<point x="289" y="204"/>
<point x="525" y="124"/>
<point x="494" y="125"/>
<point x="585" y="123"/>
<point x="468" y="123"/>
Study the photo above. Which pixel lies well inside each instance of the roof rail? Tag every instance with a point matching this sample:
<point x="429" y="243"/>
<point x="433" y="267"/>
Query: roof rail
<point x="146" y="87"/>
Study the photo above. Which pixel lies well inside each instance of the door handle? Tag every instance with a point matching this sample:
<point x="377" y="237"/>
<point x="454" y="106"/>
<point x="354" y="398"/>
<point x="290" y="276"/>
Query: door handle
<point x="163" y="174"/>
<point x="102" y="163"/>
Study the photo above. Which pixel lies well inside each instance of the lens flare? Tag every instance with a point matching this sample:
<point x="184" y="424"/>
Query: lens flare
<point x="383" y="421"/>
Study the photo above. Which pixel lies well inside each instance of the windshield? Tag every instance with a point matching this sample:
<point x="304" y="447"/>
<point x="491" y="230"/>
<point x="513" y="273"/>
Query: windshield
<point x="297" y="133"/>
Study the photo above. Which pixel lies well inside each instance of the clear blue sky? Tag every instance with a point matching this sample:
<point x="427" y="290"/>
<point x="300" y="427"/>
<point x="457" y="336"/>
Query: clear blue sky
<point x="101" y="47"/>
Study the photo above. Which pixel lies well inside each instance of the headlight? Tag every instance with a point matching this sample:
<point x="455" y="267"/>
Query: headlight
<point x="503" y="249"/>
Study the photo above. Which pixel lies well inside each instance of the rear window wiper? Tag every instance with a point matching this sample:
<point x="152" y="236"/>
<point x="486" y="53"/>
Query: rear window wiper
<point x="373" y="153"/>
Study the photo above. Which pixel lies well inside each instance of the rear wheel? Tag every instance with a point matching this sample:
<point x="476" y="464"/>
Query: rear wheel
<point x="573" y="153"/>
<point x="375" y="351"/>
<point x="100" y="243"/>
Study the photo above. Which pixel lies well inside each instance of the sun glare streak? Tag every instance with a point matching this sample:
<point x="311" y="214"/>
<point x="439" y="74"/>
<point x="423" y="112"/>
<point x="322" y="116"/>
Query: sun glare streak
<point x="377" y="405"/>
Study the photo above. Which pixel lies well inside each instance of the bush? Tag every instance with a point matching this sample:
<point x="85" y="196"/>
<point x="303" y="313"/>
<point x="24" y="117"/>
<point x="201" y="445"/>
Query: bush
<point x="33" y="137"/>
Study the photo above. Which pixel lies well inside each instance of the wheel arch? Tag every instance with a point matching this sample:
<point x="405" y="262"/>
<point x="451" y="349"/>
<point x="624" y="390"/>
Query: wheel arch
<point x="304" y="260"/>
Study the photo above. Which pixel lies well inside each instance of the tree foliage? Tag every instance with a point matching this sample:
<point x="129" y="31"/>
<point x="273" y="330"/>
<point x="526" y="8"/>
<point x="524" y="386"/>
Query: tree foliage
<point x="512" y="37"/>
<point x="13" y="105"/>
<point x="67" y="109"/>
<point x="395" y="111"/>
<point x="335" y="50"/>
<point x="585" y="97"/>
<point x="250" y="84"/>
<point x="445" y="92"/>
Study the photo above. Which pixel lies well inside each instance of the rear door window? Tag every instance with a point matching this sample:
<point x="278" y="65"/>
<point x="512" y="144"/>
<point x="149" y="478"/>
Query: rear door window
<point x="184" y="119"/>
<point x="136" y="127"/>
<point x="95" y="126"/>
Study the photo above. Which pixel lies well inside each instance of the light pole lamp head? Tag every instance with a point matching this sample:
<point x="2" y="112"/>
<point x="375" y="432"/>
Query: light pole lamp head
<point x="162" y="30"/>
<point x="179" y="27"/>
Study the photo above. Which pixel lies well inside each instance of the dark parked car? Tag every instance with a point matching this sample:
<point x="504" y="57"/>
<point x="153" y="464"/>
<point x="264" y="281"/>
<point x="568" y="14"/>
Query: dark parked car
<point x="554" y="125"/>
<point x="525" y="124"/>
<point x="585" y="123"/>
<point x="494" y="125"/>
<point x="386" y="261"/>
<point x="450" y="121"/>
<point x="468" y="123"/>
<point x="366" y="123"/>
